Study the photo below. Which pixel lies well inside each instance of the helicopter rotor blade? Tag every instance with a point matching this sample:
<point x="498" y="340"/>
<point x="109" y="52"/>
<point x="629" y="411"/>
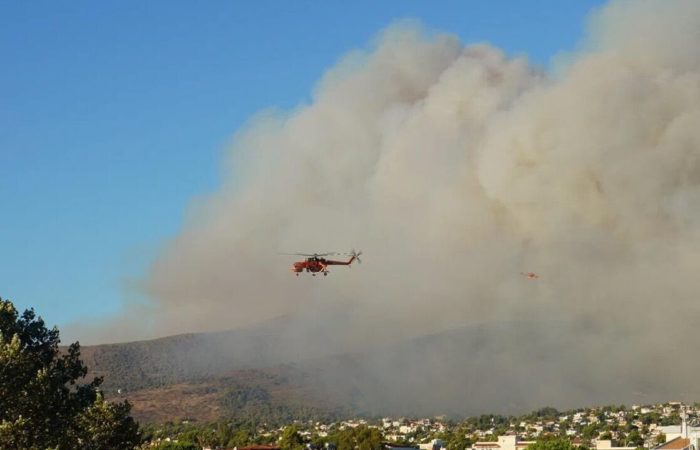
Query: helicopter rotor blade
<point x="307" y="254"/>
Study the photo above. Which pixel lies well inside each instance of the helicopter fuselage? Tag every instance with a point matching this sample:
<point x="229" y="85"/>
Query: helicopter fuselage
<point x="316" y="265"/>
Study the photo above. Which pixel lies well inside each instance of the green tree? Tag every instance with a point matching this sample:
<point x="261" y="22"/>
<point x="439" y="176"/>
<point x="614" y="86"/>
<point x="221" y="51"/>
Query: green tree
<point x="458" y="441"/>
<point x="43" y="403"/>
<point x="551" y="443"/>
<point x="359" y="438"/>
<point x="590" y="431"/>
<point x="621" y="437"/>
<point x="660" y="438"/>
<point x="634" y="439"/>
<point x="547" y="413"/>
<point x="170" y="445"/>
<point x="291" y="439"/>
<point x="106" y="425"/>
<point x="241" y="437"/>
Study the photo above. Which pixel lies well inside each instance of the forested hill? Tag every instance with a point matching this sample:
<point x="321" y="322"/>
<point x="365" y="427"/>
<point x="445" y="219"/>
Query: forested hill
<point x="233" y="374"/>
<point x="499" y="367"/>
<point x="186" y="357"/>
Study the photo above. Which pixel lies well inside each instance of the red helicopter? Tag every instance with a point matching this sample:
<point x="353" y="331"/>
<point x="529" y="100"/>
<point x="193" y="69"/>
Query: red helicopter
<point x="317" y="262"/>
<point x="530" y="275"/>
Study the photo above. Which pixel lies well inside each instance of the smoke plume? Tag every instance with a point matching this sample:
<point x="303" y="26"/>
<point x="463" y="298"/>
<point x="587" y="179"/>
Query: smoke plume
<point x="454" y="168"/>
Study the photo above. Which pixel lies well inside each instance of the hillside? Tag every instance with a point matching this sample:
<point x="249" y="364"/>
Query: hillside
<point x="500" y="368"/>
<point x="186" y="357"/>
<point x="276" y="395"/>
<point x="243" y="373"/>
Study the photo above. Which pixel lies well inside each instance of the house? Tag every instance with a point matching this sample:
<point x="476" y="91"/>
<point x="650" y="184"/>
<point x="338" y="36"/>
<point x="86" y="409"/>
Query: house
<point x="504" y="443"/>
<point x="678" y="443"/>
<point x="606" y="444"/>
<point x="676" y="435"/>
<point x="486" y="446"/>
<point x="435" y="444"/>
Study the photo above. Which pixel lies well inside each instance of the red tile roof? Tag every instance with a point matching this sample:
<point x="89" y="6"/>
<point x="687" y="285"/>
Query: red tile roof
<point x="675" y="444"/>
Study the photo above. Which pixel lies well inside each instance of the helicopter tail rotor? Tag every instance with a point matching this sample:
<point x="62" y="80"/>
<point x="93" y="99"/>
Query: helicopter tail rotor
<point x="356" y="255"/>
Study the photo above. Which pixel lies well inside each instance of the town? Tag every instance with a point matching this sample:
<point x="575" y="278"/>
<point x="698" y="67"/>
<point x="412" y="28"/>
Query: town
<point x="667" y="426"/>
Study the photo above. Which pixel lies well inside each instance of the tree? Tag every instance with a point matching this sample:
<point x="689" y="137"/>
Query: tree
<point x="590" y="431"/>
<point x="170" y="445"/>
<point x="634" y="439"/>
<point x="291" y="439"/>
<point x="458" y="440"/>
<point x="359" y="438"/>
<point x="547" y="412"/>
<point x="551" y="444"/>
<point x="660" y="439"/>
<point x="43" y="403"/>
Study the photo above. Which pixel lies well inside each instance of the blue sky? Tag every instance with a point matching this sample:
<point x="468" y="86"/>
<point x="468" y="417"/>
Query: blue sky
<point x="114" y="115"/>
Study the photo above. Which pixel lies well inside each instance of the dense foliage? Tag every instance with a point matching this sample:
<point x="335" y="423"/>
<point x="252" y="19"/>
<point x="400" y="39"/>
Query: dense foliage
<point x="42" y="402"/>
<point x="358" y="438"/>
<point x="167" y="445"/>
<point x="160" y="362"/>
<point x="210" y="364"/>
<point x="218" y="434"/>
<point x="552" y="444"/>
<point x="254" y="403"/>
<point x="291" y="439"/>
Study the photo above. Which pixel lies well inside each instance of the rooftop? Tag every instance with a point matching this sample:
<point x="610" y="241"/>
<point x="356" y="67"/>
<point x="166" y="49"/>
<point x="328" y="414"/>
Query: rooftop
<point x="675" y="444"/>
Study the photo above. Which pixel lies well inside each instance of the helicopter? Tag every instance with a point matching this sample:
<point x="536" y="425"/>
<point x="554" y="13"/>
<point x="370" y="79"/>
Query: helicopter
<point x="530" y="275"/>
<point x="317" y="262"/>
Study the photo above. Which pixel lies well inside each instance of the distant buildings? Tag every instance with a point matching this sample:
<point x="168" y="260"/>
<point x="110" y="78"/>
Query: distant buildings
<point x="596" y="428"/>
<point x="435" y="444"/>
<point x="604" y="444"/>
<point x="503" y="443"/>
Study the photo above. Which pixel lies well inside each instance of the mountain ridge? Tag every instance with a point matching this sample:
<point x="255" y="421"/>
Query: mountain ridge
<point x="505" y="367"/>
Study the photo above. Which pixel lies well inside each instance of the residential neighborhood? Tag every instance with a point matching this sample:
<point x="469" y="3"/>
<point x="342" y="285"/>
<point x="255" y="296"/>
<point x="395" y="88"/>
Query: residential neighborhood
<point x="667" y="426"/>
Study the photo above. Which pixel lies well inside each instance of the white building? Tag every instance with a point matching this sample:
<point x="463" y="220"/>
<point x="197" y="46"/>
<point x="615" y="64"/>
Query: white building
<point x="604" y="444"/>
<point x="680" y="437"/>
<point x="504" y="443"/>
<point x="434" y="444"/>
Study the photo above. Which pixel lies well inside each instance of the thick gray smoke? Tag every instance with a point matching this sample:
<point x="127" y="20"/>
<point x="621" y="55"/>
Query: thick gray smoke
<point x="455" y="168"/>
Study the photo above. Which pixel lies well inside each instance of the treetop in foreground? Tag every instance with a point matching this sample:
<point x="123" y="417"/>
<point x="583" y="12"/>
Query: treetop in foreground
<point x="45" y="399"/>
